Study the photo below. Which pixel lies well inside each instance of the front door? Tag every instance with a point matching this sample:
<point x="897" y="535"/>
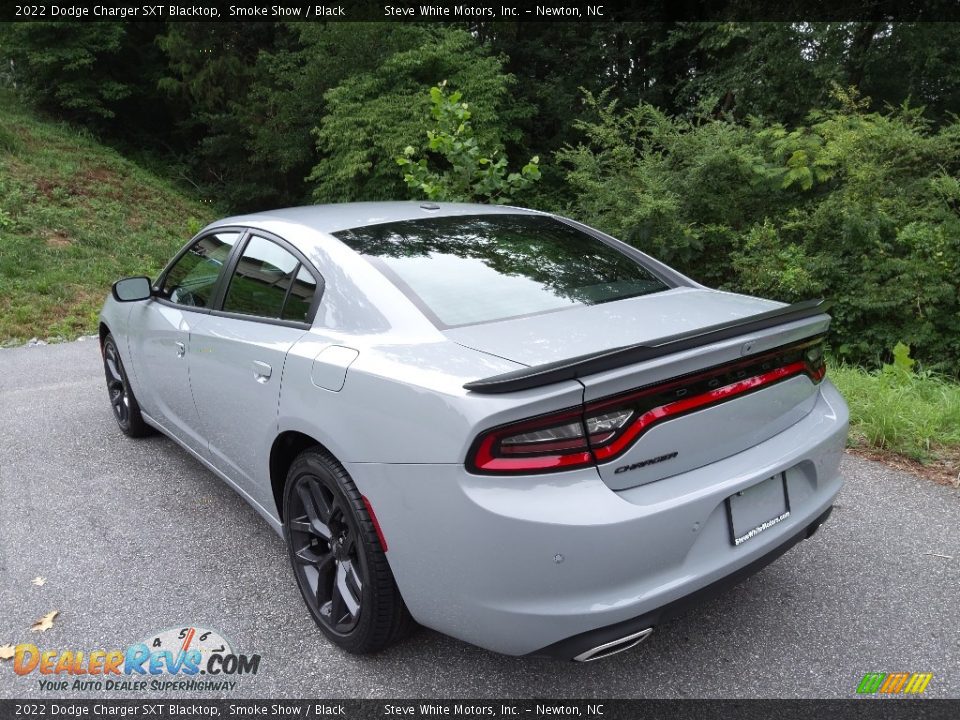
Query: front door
<point x="163" y="330"/>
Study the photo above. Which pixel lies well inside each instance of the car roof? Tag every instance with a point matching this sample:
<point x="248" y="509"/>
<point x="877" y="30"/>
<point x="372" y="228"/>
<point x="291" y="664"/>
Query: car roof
<point x="344" y="216"/>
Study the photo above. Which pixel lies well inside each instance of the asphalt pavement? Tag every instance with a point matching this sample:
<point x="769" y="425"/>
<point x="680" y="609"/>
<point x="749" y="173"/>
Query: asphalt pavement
<point x="134" y="536"/>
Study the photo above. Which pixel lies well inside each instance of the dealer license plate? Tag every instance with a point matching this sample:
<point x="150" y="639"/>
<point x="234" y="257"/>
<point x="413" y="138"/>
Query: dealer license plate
<point x="758" y="508"/>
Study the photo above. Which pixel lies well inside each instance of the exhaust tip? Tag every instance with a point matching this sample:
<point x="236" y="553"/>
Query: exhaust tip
<point x="614" y="646"/>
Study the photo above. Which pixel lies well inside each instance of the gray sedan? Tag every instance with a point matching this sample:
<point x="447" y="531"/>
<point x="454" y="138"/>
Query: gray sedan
<point x="496" y="422"/>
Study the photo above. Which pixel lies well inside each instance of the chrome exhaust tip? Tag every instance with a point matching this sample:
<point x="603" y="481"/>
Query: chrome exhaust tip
<point x="614" y="646"/>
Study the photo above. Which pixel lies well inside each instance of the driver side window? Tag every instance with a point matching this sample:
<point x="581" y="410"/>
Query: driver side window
<point x="191" y="281"/>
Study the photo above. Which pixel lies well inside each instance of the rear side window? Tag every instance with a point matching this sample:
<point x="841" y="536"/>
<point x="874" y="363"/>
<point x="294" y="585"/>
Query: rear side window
<point x="480" y="268"/>
<point x="300" y="298"/>
<point x="270" y="282"/>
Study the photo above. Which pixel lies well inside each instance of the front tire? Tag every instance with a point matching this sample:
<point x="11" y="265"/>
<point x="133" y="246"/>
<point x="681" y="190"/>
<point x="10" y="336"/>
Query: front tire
<point x="126" y="409"/>
<point x="339" y="565"/>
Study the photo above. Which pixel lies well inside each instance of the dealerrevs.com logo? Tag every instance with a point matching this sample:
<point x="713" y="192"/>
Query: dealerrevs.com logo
<point x="188" y="659"/>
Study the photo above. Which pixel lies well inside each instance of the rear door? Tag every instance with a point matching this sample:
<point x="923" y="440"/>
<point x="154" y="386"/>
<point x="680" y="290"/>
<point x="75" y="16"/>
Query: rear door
<point x="237" y="356"/>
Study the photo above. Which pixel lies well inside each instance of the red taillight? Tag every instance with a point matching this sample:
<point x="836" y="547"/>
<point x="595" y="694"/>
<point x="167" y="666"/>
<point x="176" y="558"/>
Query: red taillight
<point x="685" y="403"/>
<point x="551" y="442"/>
<point x="602" y="430"/>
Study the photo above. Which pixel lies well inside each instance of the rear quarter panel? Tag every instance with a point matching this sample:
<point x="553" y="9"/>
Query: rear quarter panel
<point x="403" y="403"/>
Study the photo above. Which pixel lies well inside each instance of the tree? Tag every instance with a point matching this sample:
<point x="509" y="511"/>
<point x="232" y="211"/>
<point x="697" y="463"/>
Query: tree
<point x="372" y="115"/>
<point x="210" y="71"/>
<point x="467" y="172"/>
<point x="678" y="188"/>
<point x="68" y="67"/>
<point x="288" y="92"/>
<point x="780" y="71"/>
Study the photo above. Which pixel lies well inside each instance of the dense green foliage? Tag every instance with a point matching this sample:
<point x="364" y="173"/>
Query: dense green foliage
<point x="372" y="116"/>
<point x="861" y="207"/>
<point x="728" y="149"/>
<point x="467" y="171"/>
<point x="780" y="71"/>
<point x="236" y="103"/>
<point x="70" y="67"/>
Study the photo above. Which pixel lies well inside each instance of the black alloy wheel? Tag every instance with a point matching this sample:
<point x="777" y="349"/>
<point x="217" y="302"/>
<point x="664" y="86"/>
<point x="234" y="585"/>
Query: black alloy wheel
<point x="126" y="410"/>
<point x="337" y="558"/>
<point x="324" y="547"/>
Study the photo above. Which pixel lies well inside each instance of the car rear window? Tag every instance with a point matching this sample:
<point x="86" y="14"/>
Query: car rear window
<point x="472" y="269"/>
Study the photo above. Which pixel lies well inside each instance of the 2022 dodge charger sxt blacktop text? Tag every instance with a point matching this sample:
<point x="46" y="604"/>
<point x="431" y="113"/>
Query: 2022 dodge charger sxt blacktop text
<point x="498" y="422"/>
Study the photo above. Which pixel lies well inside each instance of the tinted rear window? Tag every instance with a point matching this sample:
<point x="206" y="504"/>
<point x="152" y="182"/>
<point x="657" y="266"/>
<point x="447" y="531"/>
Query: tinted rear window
<point x="480" y="268"/>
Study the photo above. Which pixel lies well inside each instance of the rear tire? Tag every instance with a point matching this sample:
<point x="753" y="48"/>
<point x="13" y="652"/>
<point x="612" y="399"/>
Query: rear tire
<point x="337" y="560"/>
<point x="126" y="409"/>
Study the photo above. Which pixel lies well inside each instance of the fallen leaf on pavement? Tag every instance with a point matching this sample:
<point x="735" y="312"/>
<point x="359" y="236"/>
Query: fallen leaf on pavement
<point x="6" y="652"/>
<point x="38" y="581"/>
<point x="45" y="623"/>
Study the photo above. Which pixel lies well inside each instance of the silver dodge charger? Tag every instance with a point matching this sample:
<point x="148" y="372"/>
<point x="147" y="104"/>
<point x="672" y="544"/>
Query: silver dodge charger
<point x="496" y="422"/>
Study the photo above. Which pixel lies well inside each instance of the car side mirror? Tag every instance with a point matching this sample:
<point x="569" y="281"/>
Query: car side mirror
<point x="132" y="289"/>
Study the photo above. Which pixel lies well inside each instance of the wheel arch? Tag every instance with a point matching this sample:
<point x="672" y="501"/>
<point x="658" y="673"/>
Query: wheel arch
<point x="103" y="331"/>
<point x="285" y="449"/>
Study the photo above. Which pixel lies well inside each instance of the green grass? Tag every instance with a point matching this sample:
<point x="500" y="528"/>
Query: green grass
<point x="915" y="415"/>
<point x="74" y="217"/>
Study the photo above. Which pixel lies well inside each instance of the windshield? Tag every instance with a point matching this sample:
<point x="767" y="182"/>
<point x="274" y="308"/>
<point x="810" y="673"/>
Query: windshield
<point x="480" y="268"/>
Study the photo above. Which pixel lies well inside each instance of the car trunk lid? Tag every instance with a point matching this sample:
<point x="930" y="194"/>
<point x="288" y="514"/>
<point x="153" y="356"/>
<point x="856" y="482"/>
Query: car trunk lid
<point x="712" y="403"/>
<point x="737" y="384"/>
<point x="555" y="336"/>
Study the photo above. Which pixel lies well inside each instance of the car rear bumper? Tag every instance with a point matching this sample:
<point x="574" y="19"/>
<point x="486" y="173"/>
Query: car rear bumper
<point x="606" y="641"/>
<point x="547" y="564"/>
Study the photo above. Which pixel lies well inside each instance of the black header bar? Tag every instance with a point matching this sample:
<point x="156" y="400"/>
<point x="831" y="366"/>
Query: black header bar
<point x="480" y="11"/>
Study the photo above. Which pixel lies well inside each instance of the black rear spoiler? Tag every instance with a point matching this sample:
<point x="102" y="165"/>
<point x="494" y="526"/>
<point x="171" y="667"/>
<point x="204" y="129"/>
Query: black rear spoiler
<point x="583" y="365"/>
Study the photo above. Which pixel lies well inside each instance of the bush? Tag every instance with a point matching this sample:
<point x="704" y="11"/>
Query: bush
<point x="372" y="116"/>
<point x="860" y="207"/>
<point x="455" y="167"/>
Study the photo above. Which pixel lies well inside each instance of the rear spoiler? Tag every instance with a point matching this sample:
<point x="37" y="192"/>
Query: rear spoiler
<point x="582" y="365"/>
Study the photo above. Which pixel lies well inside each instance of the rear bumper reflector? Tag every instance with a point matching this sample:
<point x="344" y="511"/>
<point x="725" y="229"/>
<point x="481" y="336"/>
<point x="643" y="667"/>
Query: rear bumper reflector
<point x="376" y="523"/>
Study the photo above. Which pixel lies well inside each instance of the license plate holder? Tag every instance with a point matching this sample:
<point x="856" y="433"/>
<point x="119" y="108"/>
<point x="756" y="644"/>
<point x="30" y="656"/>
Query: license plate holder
<point x="758" y="508"/>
